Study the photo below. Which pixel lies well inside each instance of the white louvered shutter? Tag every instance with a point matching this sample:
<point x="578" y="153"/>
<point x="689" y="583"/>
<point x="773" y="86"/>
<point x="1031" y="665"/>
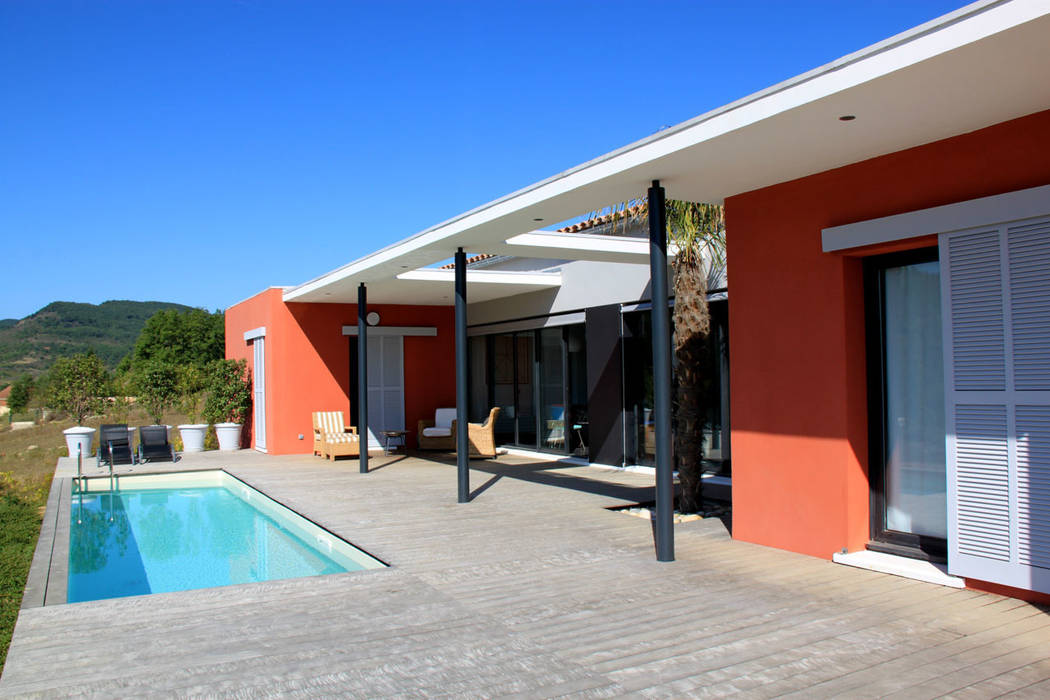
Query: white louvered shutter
<point x="996" y="313"/>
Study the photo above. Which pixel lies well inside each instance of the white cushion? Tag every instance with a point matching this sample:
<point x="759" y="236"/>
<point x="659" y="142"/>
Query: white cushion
<point x="437" y="432"/>
<point x="340" y="437"/>
<point x="443" y="418"/>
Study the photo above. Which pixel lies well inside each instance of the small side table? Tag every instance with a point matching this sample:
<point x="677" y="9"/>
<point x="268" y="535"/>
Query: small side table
<point x="394" y="440"/>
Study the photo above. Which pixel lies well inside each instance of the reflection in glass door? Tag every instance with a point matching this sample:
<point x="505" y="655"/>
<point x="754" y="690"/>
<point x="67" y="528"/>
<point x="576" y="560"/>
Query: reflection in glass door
<point x="909" y="503"/>
<point x="552" y="390"/>
<point x="513" y="388"/>
<point x="538" y="379"/>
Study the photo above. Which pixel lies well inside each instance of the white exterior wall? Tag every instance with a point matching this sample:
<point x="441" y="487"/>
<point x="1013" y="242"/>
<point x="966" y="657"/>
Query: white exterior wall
<point x="584" y="284"/>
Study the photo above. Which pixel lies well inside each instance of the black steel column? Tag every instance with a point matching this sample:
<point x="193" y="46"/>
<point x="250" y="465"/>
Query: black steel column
<point x="362" y="375"/>
<point x="661" y="373"/>
<point x="462" y="396"/>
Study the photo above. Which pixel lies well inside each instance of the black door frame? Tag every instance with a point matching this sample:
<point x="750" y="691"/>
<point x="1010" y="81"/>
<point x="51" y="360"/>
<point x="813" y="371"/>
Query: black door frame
<point x="534" y="373"/>
<point x="881" y="539"/>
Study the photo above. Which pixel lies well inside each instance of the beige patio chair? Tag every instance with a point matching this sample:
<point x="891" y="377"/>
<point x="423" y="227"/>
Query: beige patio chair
<point x="437" y="434"/>
<point x="332" y="437"/>
<point x="482" y="436"/>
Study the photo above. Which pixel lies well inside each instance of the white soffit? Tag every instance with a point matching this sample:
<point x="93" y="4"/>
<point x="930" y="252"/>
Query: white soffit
<point x="978" y="66"/>
<point x="576" y="246"/>
<point x="436" y="287"/>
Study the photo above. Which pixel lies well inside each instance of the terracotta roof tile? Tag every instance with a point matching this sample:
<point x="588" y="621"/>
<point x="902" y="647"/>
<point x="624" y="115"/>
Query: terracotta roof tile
<point x="470" y="261"/>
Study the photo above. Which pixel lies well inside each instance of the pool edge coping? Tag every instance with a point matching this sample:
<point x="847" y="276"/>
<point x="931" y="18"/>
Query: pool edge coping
<point x="48" y="584"/>
<point x="34" y="595"/>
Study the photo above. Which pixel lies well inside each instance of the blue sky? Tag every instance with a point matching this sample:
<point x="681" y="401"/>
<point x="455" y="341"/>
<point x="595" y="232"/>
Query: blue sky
<point x="199" y="151"/>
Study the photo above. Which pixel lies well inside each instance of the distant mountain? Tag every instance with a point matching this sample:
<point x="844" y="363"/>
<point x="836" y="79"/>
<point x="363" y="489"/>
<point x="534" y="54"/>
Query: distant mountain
<point x="31" y="344"/>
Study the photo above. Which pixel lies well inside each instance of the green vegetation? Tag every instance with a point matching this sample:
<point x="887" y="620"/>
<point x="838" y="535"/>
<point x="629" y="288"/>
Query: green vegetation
<point x="19" y="527"/>
<point x="21" y="390"/>
<point x="31" y="345"/>
<point x="156" y="385"/>
<point x="180" y="338"/>
<point x="172" y="359"/>
<point x="77" y="385"/>
<point x="229" y="392"/>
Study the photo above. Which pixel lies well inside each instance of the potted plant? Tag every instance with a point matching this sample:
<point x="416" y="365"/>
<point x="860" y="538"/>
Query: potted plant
<point x="191" y="389"/>
<point x="76" y="385"/>
<point x="228" y="399"/>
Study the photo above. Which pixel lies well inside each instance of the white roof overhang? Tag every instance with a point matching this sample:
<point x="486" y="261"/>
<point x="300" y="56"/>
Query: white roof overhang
<point x="434" y="287"/>
<point x="975" y="67"/>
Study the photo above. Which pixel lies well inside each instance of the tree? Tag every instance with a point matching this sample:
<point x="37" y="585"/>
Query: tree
<point x="157" y="387"/>
<point x="76" y="385"/>
<point x="229" y="392"/>
<point x="175" y="339"/>
<point x="697" y="232"/>
<point x="21" y="391"/>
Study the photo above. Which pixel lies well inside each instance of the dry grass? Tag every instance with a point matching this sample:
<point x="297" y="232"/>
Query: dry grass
<point x="28" y="456"/>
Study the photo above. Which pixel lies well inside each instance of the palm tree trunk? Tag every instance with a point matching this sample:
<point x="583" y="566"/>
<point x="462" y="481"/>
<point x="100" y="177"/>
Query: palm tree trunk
<point x="692" y="323"/>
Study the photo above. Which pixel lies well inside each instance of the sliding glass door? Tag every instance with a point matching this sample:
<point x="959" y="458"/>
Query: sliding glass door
<point x="909" y="505"/>
<point x="538" y="380"/>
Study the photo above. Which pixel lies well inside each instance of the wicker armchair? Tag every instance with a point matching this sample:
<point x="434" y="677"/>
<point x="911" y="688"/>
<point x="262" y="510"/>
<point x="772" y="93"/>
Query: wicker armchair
<point x="482" y="436"/>
<point x="437" y="434"/>
<point x="332" y="437"/>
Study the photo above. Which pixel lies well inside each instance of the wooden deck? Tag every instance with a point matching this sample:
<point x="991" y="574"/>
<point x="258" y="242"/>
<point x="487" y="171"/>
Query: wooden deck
<point x="532" y="590"/>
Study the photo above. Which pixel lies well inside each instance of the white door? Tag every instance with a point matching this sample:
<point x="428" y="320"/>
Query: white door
<point x="996" y="311"/>
<point x="259" y="382"/>
<point x="386" y="387"/>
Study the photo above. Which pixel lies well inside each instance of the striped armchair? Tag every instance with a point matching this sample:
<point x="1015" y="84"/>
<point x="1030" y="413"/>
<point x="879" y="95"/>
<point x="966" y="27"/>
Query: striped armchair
<point x="332" y="437"/>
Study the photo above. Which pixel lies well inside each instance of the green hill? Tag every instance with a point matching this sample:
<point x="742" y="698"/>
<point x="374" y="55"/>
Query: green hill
<point x="62" y="328"/>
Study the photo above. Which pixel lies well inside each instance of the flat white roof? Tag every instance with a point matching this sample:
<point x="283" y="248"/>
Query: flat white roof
<point x="981" y="65"/>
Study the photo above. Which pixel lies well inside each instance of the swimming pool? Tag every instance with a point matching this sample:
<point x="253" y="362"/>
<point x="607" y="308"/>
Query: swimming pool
<point x="174" y="532"/>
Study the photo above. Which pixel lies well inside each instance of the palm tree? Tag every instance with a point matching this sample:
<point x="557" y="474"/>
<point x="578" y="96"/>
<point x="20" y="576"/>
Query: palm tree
<point x="696" y="232"/>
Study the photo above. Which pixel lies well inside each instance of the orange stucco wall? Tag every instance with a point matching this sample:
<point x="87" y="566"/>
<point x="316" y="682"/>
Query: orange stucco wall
<point x="308" y="364"/>
<point x="798" y="377"/>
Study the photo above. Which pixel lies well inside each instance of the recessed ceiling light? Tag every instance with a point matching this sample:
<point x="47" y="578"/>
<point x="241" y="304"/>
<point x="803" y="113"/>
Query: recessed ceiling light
<point x="847" y="117"/>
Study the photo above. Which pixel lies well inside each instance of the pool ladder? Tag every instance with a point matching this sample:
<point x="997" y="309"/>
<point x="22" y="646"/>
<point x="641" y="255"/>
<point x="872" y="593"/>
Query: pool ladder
<point x="81" y="478"/>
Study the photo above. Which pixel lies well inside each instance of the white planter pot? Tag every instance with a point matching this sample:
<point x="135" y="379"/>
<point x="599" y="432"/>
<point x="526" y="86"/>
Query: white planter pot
<point x="229" y="435"/>
<point x="79" y="437"/>
<point x="193" y="436"/>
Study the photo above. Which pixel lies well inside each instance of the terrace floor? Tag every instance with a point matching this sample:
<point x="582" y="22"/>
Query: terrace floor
<point x="534" y="589"/>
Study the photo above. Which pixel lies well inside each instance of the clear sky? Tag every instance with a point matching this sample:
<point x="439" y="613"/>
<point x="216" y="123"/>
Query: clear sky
<point x="198" y="151"/>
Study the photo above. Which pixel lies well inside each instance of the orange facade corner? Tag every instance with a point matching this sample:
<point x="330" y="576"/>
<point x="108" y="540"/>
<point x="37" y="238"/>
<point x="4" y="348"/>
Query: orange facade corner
<point x="798" y="372"/>
<point x="308" y="362"/>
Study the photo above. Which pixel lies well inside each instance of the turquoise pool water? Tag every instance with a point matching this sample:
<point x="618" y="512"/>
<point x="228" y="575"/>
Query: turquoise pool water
<point x="153" y="540"/>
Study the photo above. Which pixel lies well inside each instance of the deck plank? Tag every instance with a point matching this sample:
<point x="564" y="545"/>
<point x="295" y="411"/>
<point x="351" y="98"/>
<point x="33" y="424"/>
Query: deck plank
<point x="532" y="590"/>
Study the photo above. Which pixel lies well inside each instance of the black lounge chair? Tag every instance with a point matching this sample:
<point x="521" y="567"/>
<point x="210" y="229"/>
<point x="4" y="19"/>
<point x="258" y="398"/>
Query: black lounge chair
<point x="114" y="446"/>
<point x="154" y="445"/>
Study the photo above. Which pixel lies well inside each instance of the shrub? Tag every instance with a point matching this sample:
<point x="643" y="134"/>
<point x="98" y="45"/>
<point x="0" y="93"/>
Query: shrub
<point x="156" y="385"/>
<point x="21" y="391"/>
<point x="192" y="381"/>
<point x="229" y="392"/>
<point x="76" y="385"/>
<point x="119" y="408"/>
